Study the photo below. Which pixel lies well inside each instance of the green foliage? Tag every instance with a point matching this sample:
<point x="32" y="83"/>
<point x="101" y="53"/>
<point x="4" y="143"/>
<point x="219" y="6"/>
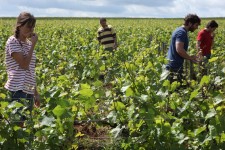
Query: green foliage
<point x="142" y="108"/>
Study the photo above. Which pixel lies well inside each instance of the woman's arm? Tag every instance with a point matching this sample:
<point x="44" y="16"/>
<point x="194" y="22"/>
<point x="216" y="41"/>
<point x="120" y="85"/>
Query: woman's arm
<point x="24" y="61"/>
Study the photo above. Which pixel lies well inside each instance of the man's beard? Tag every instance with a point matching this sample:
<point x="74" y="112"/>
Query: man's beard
<point x="192" y="29"/>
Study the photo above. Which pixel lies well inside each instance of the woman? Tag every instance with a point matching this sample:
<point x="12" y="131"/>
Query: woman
<point x="20" y="61"/>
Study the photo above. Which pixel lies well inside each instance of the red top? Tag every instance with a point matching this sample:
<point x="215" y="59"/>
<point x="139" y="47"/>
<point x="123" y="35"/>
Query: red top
<point x="206" y="41"/>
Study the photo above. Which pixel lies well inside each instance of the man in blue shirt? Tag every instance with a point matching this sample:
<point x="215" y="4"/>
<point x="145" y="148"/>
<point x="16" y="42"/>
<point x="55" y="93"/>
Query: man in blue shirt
<point x="179" y="46"/>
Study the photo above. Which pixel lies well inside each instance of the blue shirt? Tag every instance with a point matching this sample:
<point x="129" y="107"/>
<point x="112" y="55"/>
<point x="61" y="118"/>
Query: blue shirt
<point x="175" y="60"/>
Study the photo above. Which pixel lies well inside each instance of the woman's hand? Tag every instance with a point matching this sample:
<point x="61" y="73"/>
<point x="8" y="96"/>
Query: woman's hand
<point x="37" y="100"/>
<point x="34" y="38"/>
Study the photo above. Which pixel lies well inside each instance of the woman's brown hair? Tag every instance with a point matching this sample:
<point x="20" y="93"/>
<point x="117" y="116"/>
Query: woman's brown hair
<point x="25" y="18"/>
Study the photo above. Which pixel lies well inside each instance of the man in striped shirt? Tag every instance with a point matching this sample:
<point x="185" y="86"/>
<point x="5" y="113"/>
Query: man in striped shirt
<point x="107" y="36"/>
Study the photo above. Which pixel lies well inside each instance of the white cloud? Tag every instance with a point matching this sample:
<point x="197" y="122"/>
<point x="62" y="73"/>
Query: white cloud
<point x="114" y="8"/>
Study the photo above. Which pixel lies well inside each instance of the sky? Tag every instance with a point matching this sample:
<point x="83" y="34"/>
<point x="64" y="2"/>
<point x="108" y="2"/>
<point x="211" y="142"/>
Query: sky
<point x="114" y="8"/>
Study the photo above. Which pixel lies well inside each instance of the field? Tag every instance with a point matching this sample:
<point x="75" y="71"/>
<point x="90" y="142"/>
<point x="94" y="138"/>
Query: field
<point x="139" y="109"/>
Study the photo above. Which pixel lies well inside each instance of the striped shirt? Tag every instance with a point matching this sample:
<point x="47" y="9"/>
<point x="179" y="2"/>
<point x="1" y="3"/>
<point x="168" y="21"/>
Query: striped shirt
<point x="18" y="78"/>
<point x="106" y="36"/>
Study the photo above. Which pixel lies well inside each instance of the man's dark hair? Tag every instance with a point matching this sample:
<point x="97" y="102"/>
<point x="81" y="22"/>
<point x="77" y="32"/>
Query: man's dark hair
<point x="192" y="18"/>
<point x="212" y="24"/>
<point x="102" y="19"/>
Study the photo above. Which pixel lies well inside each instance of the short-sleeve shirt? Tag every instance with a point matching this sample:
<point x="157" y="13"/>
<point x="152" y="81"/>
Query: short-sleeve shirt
<point x="175" y="60"/>
<point x="106" y="36"/>
<point x="206" y="41"/>
<point x="18" y="78"/>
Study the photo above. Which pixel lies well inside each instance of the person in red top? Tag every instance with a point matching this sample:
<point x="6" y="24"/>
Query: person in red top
<point x="205" y="39"/>
<point x="204" y="45"/>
